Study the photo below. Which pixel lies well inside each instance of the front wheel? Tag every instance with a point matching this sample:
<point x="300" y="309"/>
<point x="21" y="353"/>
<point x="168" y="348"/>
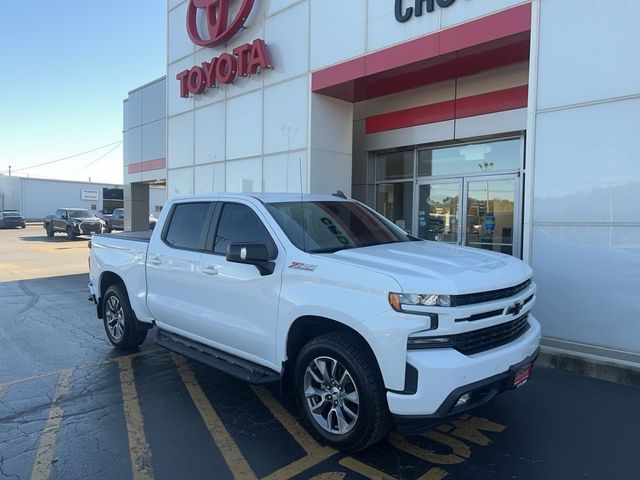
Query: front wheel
<point x="340" y="392"/>
<point x="70" y="233"/>
<point x="50" y="231"/>
<point x="124" y="330"/>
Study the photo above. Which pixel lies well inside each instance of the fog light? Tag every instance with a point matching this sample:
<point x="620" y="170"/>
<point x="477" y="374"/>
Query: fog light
<point x="463" y="400"/>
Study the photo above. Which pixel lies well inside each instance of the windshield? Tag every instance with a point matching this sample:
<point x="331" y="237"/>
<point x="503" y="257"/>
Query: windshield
<point x="326" y="227"/>
<point x="79" y="214"/>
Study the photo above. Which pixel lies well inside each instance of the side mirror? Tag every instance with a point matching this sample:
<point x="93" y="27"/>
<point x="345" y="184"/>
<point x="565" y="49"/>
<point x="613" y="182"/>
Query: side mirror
<point x="252" y="254"/>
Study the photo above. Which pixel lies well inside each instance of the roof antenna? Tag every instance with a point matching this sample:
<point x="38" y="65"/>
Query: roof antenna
<point x="304" y="228"/>
<point x="340" y="194"/>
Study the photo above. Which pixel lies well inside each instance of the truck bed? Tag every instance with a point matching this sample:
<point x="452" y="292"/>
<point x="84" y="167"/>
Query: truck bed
<point x="141" y="236"/>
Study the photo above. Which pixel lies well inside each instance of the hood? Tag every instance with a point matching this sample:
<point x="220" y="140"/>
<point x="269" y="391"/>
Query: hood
<point x="84" y="219"/>
<point x="434" y="267"/>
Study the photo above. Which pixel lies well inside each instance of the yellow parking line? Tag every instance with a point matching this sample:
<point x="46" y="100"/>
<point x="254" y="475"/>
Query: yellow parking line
<point x="300" y="435"/>
<point x="4" y="386"/>
<point x="232" y="455"/>
<point x="315" y="452"/>
<point x="299" y="466"/>
<point x="364" y="469"/>
<point x="47" y="444"/>
<point x="138" y="447"/>
<point x="434" y="473"/>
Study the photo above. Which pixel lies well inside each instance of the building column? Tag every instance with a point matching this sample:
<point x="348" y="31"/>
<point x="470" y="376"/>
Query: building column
<point x="136" y="207"/>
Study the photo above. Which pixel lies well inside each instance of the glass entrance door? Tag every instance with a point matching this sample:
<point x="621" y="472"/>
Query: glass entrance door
<point x="489" y="205"/>
<point x="439" y="210"/>
<point x="491" y="212"/>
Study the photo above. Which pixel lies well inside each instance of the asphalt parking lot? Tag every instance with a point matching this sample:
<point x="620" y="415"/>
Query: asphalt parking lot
<point x="72" y="408"/>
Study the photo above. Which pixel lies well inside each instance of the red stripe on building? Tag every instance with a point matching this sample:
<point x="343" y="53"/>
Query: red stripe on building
<point x="488" y="42"/>
<point x="485" y="103"/>
<point x="158" y="164"/>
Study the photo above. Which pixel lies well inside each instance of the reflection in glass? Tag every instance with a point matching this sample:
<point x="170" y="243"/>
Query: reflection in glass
<point x="395" y="165"/>
<point x="438" y="210"/>
<point x="490" y="209"/>
<point x="395" y="201"/>
<point x="472" y="158"/>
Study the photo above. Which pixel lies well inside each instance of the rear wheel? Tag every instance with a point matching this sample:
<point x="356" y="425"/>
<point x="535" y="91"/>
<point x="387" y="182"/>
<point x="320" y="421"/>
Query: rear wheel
<point x="124" y="330"/>
<point x="50" y="231"/>
<point x="340" y="392"/>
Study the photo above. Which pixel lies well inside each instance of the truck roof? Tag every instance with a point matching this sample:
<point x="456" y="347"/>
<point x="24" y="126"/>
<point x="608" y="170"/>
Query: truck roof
<point x="267" y="197"/>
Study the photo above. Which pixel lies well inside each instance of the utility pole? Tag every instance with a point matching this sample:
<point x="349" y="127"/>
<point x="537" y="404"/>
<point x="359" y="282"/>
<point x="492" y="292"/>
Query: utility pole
<point x="9" y="170"/>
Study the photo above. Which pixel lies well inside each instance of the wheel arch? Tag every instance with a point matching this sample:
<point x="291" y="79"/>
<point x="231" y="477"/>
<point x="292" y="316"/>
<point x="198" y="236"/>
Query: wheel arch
<point x="305" y="328"/>
<point x="107" y="279"/>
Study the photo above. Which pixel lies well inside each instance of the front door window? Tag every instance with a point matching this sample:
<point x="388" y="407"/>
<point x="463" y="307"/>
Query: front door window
<point x="490" y="206"/>
<point x="439" y="211"/>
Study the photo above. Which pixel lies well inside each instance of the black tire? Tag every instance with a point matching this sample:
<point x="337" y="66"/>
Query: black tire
<point x="71" y="235"/>
<point x="372" y="421"/>
<point x="107" y="228"/>
<point x="50" y="231"/>
<point x="133" y="332"/>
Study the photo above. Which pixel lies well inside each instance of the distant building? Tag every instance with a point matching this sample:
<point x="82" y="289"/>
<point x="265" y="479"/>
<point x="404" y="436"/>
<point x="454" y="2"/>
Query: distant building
<point x="37" y="197"/>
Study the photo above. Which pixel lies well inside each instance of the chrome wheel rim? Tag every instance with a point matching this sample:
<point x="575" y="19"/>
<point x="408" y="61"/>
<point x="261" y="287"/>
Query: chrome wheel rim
<point x="331" y="395"/>
<point x="114" y="316"/>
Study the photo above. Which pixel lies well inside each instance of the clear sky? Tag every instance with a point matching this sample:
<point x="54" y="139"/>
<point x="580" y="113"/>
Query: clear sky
<point x="66" y="67"/>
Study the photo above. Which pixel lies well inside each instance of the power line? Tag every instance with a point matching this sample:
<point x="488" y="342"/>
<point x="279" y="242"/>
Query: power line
<point x="64" y="158"/>
<point x="97" y="159"/>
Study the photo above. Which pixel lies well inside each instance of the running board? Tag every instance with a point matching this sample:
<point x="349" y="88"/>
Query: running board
<point x="226" y="362"/>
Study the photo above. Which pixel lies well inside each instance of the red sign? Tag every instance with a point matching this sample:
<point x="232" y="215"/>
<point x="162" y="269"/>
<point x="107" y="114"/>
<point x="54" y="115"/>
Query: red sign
<point x="246" y="59"/>
<point x="216" y="15"/>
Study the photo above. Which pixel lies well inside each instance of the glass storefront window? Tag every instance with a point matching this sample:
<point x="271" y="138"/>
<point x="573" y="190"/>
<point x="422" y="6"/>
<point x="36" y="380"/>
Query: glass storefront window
<point x="395" y="201"/>
<point x="395" y="165"/>
<point x="488" y="157"/>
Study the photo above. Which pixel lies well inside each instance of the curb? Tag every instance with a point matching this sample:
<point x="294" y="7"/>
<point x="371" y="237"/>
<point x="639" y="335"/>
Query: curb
<point x="593" y="366"/>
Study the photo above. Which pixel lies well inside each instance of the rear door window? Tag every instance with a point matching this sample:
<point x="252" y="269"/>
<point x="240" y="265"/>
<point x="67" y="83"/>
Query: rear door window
<point x="239" y="223"/>
<point x="188" y="225"/>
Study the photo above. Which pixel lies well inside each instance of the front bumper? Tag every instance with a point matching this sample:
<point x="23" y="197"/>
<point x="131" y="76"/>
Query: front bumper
<point x="87" y="229"/>
<point x="445" y="374"/>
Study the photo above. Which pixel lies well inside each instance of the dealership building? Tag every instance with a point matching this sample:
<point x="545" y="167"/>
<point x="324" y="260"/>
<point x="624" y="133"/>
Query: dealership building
<point x="505" y="125"/>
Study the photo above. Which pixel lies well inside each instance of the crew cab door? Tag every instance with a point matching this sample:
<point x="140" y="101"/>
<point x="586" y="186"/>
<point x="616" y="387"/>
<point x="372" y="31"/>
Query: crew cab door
<point x="172" y="267"/>
<point x="241" y="303"/>
<point x="59" y="220"/>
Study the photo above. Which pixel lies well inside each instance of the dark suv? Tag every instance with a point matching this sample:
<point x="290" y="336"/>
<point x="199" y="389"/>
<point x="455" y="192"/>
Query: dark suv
<point x="72" y="221"/>
<point x="11" y="219"/>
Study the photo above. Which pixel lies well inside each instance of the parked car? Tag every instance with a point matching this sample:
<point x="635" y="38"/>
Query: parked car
<point x="115" y="221"/>
<point x="73" y="222"/>
<point x="367" y="325"/>
<point x="11" y="219"/>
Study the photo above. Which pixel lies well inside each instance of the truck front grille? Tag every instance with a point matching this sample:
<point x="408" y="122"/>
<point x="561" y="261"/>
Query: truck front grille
<point x="490" y="337"/>
<point x="472" y="298"/>
<point x="476" y="341"/>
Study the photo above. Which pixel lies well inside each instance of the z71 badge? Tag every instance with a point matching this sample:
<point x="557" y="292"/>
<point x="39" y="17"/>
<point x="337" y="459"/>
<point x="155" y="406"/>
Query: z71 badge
<point x="303" y="266"/>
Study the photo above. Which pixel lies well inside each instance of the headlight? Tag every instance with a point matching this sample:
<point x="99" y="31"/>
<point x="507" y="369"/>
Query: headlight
<point x="75" y="224"/>
<point x="414" y="299"/>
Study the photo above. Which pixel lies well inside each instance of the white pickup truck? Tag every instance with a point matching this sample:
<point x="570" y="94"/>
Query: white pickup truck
<point x="367" y="325"/>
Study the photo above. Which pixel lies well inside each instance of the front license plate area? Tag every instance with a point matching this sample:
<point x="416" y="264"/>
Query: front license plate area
<point x="521" y="375"/>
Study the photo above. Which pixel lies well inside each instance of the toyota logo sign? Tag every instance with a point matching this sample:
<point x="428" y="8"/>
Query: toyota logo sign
<point x="216" y="15"/>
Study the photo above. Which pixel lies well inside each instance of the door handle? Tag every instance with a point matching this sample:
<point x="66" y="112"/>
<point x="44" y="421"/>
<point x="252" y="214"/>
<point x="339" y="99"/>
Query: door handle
<point x="155" y="260"/>
<point x="209" y="270"/>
